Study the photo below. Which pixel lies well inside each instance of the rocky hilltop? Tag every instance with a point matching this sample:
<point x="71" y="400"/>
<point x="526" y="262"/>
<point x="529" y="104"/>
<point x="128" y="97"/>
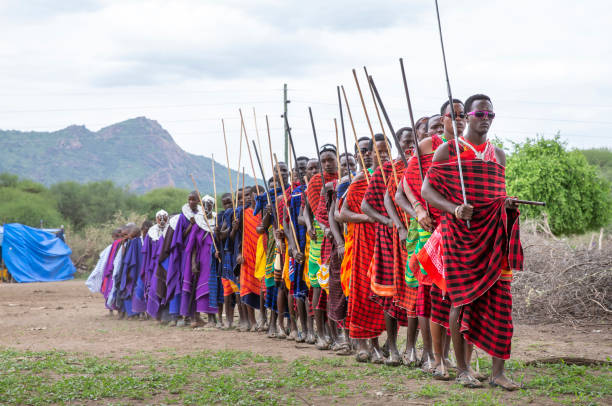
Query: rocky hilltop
<point x="137" y="153"/>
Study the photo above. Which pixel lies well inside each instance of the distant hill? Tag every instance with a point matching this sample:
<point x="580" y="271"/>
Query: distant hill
<point x="137" y="153"/>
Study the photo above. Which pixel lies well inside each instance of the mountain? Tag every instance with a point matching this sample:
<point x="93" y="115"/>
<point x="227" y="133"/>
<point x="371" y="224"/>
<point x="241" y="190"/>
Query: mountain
<point x="137" y="153"/>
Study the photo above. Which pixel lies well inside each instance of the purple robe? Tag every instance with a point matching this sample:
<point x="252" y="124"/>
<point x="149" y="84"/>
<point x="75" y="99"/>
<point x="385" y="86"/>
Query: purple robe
<point x="130" y="275"/>
<point x="174" y="275"/>
<point x="107" y="280"/>
<point x="194" y="297"/>
<point x="154" y="249"/>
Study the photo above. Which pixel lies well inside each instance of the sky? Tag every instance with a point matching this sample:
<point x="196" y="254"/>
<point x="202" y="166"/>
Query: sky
<point x="189" y="63"/>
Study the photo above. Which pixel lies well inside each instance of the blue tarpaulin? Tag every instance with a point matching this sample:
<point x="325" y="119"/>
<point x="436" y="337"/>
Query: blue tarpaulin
<point x="34" y="255"/>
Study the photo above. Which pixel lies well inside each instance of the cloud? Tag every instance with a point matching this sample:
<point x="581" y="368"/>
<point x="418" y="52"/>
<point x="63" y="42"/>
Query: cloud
<point x="36" y="10"/>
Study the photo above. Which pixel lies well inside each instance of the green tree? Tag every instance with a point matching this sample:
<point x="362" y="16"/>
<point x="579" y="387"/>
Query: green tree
<point x="602" y="158"/>
<point x="577" y="197"/>
<point x="19" y="206"/>
<point x="93" y="202"/>
<point x="169" y="199"/>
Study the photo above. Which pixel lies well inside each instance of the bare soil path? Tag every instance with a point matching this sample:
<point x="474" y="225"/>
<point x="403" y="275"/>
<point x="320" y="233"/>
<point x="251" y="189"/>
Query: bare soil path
<point x="66" y="316"/>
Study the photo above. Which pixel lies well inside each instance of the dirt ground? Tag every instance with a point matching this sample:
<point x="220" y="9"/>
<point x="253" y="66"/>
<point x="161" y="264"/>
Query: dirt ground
<point x="66" y="316"/>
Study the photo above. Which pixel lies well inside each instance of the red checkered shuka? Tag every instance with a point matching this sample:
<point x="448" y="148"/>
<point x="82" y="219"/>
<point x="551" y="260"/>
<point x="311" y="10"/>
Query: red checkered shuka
<point x="473" y="257"/>
<point x="322" y="216"/>
<point x="366" y="318"/>
<point x="487" y="322"/>
<point x="413" y="181"/>
<point x="440" y="306"/>
<point x="381" y="269"/>
<point x="315" y="184"/>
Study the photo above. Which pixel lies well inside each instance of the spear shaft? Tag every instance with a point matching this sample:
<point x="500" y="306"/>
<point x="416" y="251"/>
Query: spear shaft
<point x="452" y="110"/>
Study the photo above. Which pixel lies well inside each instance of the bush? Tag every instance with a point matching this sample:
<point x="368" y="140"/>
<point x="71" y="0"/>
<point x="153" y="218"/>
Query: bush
<point x="19" y="206"/>
<point x="91" y="203"/>
<point x="577" y="198"/>
<point x="87" y="244"/>
<point x="169" y="199"/>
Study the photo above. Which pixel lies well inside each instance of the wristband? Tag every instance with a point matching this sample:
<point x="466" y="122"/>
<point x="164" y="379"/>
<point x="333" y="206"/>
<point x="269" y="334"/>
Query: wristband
<point x="456" y="211"/>
<point x="417" y="203"/>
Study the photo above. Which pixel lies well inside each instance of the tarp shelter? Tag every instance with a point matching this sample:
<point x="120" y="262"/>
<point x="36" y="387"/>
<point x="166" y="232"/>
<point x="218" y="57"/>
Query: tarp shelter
<point x="34" y="255"/>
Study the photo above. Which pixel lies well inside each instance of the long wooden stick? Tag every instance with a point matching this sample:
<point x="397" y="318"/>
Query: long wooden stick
<point x="246" y="139"/>
<point x="272" y="161"/>
<point x="365" y="110"/>
<point x="204" y="213"/>
<point x="414" y="134"/>
<point x="214" y="184"/>
<point x="243" y="210"/>
<point x="350" y="175"/>
<point x="338" y="149"/>
<point x="531" y="203"/>
<point x="382" y="126"/>
<point x="263" y="175"/>
<point x="229" y="171"/>
<point x="238" y="167"/>
<point x="297" y="244"/>
<point x="257" y="134"/>
<point x="452" y="111"/>
<point x="348" y="109"/>
<point x="395" y="137"/>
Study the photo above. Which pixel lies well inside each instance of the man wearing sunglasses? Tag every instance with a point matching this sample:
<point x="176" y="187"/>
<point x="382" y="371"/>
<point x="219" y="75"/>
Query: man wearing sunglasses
<point x="479" y="256"/>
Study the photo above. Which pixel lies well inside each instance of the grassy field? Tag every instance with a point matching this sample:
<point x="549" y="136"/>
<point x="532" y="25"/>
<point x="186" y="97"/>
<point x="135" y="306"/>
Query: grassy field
<point x="244" y="378"/>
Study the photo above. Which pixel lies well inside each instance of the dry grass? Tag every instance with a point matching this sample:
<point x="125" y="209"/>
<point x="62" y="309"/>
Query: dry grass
<point x="87" y="244"/>
<point x="565" y="280"/>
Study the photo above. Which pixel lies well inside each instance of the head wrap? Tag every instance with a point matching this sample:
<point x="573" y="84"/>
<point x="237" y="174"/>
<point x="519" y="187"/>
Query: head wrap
<point x="327" y="147"/>
<point x="208" y="198"/>
<point x="161" y="213"/>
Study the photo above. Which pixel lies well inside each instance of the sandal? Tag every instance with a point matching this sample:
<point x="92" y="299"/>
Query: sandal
<point x="468" y="381"/>
<point x="510" y="387"/>
<point x="441" y="376"/>
<point x="409" y="358"/>
<point x="362" y="356"/>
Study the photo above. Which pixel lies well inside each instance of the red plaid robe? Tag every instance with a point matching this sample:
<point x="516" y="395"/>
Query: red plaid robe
<point x="474" y="258"/>
<point x="381" y="269"/>
<point x="365" y="317"/>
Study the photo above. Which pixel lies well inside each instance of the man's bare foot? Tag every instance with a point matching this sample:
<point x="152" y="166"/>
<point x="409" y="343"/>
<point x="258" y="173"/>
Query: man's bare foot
<point x="449" y="364"/>
<point x="427" y="363"/>
<point x="293" y="335"/>
<point x="376" y="356"/>
<point x="409" y="357"/>
<point x="394" y="359"/>
<point x="121" y="315"/>
<point x="362" y="356"/>
<point x="440" y="372"/>
<point x="197" y="323"/>
<point x="503" y="382"/>
<point x="481" y="377"/>
<point x="322" y="344"/>
<point x="465" y="379"/>
<point x="272" y="331"/>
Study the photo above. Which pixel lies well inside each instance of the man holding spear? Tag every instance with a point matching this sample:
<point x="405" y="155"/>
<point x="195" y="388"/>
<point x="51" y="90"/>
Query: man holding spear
<point x="479" y="260"/>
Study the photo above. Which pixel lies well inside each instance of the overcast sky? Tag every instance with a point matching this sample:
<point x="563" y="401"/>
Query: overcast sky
<point x="187" y="64"/>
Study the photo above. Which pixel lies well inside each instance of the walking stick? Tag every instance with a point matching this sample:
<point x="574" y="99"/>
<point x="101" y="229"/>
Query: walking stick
<point x="348" y="109"/>
<point x="343" y="135"/>
<point x="337" y="148"/>
<point x="229" y="171"/>
<point x="204" y="212"/>
<point x="365" y="110"/>
<point x="246" y="139"/>
<point x="452" y="111"/>
<point x="287" y="206"/>
<point x="214" y="184"/>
